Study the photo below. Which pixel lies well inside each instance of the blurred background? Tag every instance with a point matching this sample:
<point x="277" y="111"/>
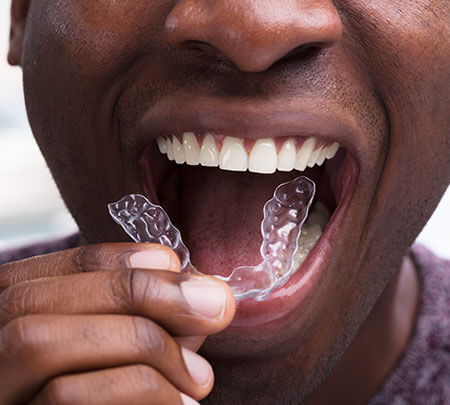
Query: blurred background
<point x="31" y="208"/>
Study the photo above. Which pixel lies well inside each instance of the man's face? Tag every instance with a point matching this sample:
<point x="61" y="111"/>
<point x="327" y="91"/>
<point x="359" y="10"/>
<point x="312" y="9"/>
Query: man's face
<point x="104" y="79"/>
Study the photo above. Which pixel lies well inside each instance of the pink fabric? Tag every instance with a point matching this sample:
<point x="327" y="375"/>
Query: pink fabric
<point x="422" y="375"/>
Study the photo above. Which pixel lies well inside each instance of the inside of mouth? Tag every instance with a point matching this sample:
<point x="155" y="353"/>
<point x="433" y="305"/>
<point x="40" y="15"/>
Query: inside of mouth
<point x="219" y="212"/>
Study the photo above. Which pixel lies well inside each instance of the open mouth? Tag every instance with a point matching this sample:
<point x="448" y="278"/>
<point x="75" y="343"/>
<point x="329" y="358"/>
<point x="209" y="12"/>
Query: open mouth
<point x="214" y="188"/>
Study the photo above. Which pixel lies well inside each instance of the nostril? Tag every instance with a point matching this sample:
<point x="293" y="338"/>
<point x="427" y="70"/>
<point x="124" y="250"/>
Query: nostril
<point x="201" y="46"/>
<point x="301" y="52"/>
<point x="207" y="55"/>
<point x="254" y="35"/>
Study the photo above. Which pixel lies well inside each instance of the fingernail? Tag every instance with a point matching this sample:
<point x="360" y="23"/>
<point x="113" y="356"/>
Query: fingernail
<point x="155" y="258"/>
<point x="198" y="367"/>
<point x="206" y="297"/>
<point x="188" y="400"/>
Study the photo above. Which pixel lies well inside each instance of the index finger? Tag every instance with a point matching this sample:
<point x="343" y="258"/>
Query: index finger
<point x="101" y="257"/>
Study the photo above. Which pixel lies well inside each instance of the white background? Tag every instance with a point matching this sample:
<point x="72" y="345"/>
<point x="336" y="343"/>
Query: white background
<point x="30" y="206"/>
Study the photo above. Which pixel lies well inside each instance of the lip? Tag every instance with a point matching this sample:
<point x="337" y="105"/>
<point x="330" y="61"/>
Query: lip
<point x="261" y="121"/>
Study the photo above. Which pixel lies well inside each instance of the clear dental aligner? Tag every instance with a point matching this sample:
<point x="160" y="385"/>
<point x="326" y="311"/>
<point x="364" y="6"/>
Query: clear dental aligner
<point x="284" y="215"/>
<point x="149" y="223"/>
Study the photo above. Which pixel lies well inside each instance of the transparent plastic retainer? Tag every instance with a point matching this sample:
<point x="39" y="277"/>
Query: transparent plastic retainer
<point x="284" y="215"/>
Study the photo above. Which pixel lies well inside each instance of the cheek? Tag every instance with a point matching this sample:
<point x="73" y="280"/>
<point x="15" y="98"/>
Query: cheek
<point x="87" y="66"/>
<point x="71" y="87"/>
<point x="406" y="51"/>
<point x="409" y="58"/>
<point x="94" y="41"/>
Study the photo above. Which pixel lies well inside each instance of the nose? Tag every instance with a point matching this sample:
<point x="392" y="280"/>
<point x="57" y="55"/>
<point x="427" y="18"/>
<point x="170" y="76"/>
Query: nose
<point x="254" y="34"/>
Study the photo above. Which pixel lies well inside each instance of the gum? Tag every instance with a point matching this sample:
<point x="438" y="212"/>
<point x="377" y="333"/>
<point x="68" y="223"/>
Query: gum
<point x="284" y="215"/>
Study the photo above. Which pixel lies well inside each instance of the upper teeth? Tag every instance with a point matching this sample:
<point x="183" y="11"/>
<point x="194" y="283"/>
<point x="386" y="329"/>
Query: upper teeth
<point x="263" y="158"/>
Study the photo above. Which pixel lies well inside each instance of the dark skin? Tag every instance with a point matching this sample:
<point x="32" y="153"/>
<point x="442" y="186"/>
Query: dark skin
<point x="89" y="82"/>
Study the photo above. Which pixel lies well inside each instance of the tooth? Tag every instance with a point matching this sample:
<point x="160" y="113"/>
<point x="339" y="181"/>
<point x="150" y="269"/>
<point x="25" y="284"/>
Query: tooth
<point x="318" y="216"/>
<point x="209" y="155"/>
<point x="321" y="209"/>
<point x="304" y="154"/>
<point x="263" y="157"/>
<point x="306" y="241"/>
<point x="233" y="155"/>
<point x="170" y="153"/>
<point x="313" y="158"/>
<point x="178" y="150"/>
<point x="310" y="236"/>
<point x="286" y="157"/>
<point x="311" y="232"/>
<point x="322" y="156"/>
<point x="316" y="219"/>
<point x="191" y="149"/>
<point x="299" y="258"/>
<point x="332" y="149"/>
<point x="162" y="144"/>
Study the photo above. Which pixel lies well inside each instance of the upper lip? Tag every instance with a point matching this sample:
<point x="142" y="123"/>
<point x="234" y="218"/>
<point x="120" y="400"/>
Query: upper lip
<point x="256" y="120"/>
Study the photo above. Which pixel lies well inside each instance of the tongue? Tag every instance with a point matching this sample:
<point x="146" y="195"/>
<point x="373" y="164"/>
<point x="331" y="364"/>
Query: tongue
<point x="221" y="214"/>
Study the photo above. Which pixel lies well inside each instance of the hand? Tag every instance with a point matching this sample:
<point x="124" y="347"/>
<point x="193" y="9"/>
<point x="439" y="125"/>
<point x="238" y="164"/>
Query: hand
<point x="104" y="323"/>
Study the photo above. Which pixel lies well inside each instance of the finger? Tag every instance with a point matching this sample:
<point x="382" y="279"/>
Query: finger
<point x="191" y="342"/>
<point x="135" y="384"/>
<point x="41" y="347"/>
<point x="184" y="304"/>
<point x="108" y="256"/>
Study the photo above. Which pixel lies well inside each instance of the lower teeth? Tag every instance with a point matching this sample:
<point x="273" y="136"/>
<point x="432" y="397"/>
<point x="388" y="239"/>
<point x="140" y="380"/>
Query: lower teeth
<point x="311" y="232"/>
<point x="285" y="244"/>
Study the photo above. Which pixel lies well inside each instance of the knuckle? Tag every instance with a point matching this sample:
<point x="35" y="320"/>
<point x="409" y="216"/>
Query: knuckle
<point x="79" y="255"/>
<point x="148" y="286"/>
<point x="54" y="392"/>
<point x="151" y="338"/>
<point x="89" y="258"/>
<point x="8" y="275"/>
<point x="11" y="304"/>
<point x="122" y="288"/>
<point x="16" y="333"/>
<point x="25" y="339"/>
<point x="135" y="287"/>
<point x="149" y="382"/>
<point x="146" y="378"/>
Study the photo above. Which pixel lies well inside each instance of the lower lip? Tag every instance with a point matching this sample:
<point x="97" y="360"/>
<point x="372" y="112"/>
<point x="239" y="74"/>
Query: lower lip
<point x="270" y="313"/>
